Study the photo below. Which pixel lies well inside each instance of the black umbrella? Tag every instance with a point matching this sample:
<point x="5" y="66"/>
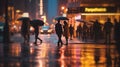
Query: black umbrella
<point x="37" y="22"/>
<point x="23" y="18"/>
<point x="80" y="20"/>
<point x="61" y="18"/>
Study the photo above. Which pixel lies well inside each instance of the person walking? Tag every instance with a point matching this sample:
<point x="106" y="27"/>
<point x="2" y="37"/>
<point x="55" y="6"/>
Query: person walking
<point x="65" y="32"/>
<point x="84" y="32"/>
<point x="107" y="30"/>
<point x="96" y="30"/>
<point x="71" y="31"/>
<point x="36" y="30"/>
<point x="79" y="31"/>
<point x="59" y="32"/>
<point x="117" y="35"/>
<point x="25" y="30"/>
<point x="116" y="30"/>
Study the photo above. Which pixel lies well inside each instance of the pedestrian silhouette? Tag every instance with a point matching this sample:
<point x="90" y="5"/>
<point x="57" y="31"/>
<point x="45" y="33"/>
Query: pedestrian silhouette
<point x="96" y="30"/>
<point x="117" y="39"/>
<point x="25" y="30"/>
<point x="116" y="30"/>
<point x="59" y="32"/>
<point x="79" y="31"/>
<point x="84" y="32"/>
<point x="91" y="32"/>
<point x="107" y="30"/>
<point x="36" y="30"/>
<point x="66" y="31"/>
<point x="71" y="31"/>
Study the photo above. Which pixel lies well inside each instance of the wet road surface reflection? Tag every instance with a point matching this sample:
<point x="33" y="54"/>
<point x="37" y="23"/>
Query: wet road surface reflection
<point x="50" y="55"/>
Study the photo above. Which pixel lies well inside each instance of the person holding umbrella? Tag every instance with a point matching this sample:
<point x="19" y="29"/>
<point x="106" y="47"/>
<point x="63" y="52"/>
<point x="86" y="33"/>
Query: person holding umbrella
<point x="36" y="23"/>
<point x="25" y="29"/>
<point x="59" y="32"/>
<point x="66" y="31"/>
<point x="36" y="29"/>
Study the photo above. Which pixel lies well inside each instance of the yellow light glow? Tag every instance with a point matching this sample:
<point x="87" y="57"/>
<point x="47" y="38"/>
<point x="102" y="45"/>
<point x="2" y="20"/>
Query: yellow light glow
<point x="95" y="9"/>
<point x="17" y="11"/>
<point x="41" y="7"/>
<point x="44" y="18"/>
<point x="62" y="8"/>
<point x="26" y="14"/>
<point x="100" y="13"/>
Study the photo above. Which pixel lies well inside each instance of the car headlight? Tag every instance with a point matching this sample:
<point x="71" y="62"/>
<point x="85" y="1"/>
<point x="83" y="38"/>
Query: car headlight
<point x="49" y="30"/>
<point x="41" y="30"/>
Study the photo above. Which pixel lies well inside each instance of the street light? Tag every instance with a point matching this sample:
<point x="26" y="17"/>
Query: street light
<point x="62" y="8"/>
<point x="64" y="11"/>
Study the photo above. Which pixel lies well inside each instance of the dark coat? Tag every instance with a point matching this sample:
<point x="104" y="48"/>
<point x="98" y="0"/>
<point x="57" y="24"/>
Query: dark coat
<point x="108" y="27"/>
<point x="66" y="29"/>
<point x="117" y="31"/>
<point x="58" y="28"/>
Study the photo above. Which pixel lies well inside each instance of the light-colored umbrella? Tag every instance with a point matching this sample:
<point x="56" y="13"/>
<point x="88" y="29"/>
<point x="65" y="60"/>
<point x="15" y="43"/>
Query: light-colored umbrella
<point x="23" y="18"/>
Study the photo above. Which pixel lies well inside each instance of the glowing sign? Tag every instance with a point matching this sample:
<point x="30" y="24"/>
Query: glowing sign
<point x="95" y="10"/>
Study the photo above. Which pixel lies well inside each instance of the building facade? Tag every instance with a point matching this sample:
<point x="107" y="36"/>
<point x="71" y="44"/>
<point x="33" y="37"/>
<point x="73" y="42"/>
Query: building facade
<point x="98" y="9"/>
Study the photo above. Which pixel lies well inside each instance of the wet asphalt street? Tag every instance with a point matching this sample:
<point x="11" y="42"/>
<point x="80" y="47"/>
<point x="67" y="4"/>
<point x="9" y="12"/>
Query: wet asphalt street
<point x="48" y="54"/>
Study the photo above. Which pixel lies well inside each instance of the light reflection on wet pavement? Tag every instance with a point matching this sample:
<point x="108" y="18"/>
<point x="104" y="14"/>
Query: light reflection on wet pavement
<point x="50" y="55"/>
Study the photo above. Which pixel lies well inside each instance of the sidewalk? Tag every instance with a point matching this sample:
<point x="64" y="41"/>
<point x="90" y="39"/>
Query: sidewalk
<point x="18" y="39"/>
<point x="89" y="41"/>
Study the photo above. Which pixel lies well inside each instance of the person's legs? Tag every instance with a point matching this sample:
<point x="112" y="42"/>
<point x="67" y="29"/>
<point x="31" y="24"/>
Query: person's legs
<point x="59" y="39"/>
<point x="70" y="36"/>
<point x="35" y="38"/>
<point x="66" y="40"/>
<point x="28" y="37"/>
<point x="109" y="38"/>
<point x="25" y="38"/>
<point x="79" y="35"/>
<point x="106" y="37"/>
<point x="39" y="39"/>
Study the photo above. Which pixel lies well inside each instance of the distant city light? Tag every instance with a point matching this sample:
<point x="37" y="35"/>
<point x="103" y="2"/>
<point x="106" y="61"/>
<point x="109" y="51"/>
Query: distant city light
<point x="26" y="14"/>
<point x="62" y="8"/>
<point x="77" y="17"/>
<point x="17" y="11"/>
<point x="64" y="15"/>
<point x="41" y="7"/>
<point x="44" y="18"/>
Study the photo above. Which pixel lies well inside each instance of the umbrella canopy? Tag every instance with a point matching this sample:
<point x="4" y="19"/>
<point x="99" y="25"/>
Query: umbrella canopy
<point x="80" y="20"/>
<point x="61" y="18"/>
<point x="37" y="22"/>
<point x="23" y="18"/>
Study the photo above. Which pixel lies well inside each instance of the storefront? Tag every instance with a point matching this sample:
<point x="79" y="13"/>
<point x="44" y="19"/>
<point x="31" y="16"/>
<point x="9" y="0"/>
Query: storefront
<point x="92" y="13"/>
<point x="89" y="14"/>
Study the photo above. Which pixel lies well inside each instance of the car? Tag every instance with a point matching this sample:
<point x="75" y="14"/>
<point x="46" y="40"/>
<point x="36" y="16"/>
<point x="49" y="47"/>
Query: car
<point x="46" y="30"/>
